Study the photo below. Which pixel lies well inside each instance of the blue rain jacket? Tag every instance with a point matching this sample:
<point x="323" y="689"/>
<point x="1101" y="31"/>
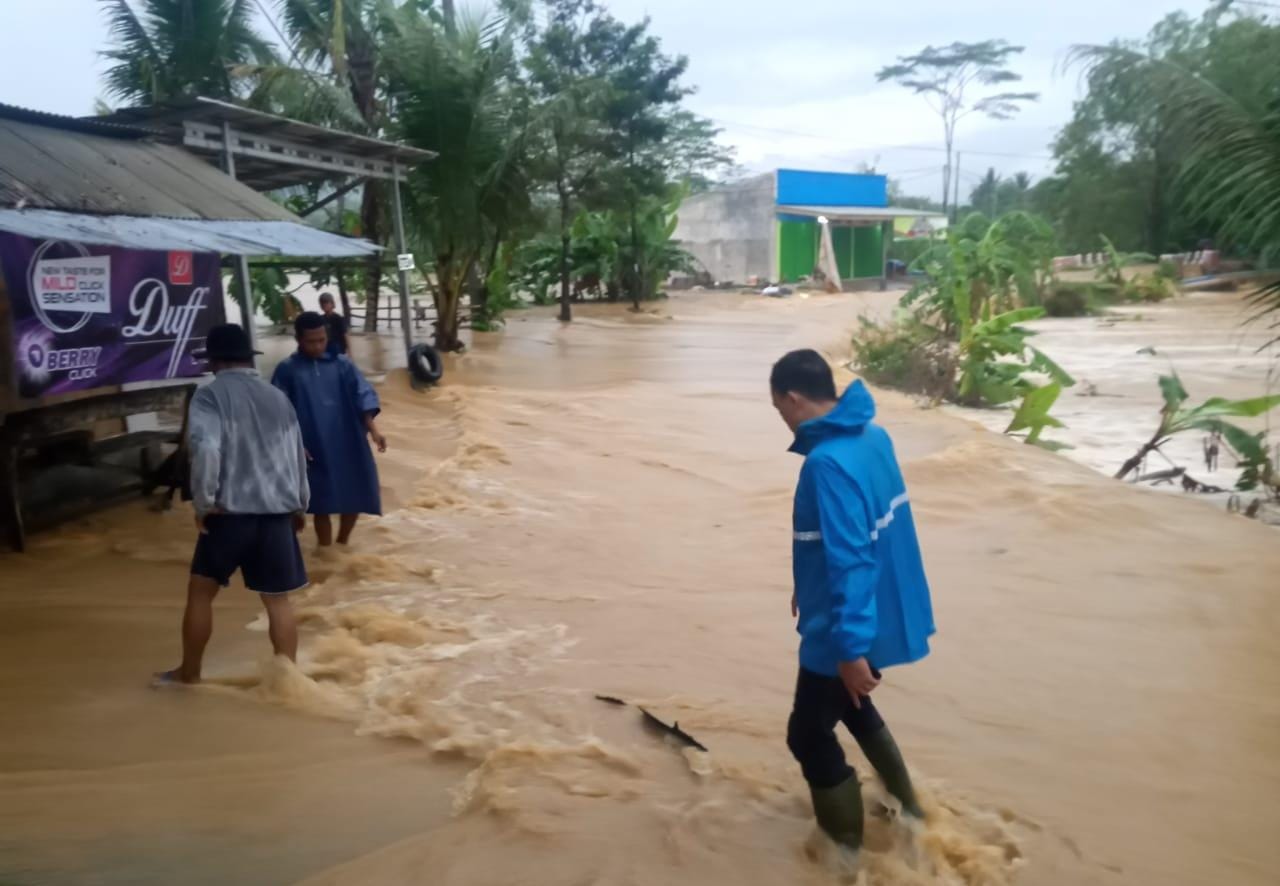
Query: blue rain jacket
<point x="332" y="398"/>
<point x="859" y="578"/>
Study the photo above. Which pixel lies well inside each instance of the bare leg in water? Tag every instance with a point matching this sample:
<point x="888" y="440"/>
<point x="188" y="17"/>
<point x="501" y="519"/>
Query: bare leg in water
<point x="345" y="525"/>
<point x="324" y="530"/>
<point x="197" y="627"/>
<point x="282" y="625"/>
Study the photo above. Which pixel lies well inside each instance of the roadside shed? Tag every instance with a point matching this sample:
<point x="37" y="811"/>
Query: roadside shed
<point x="771" y="227"/>
<point x="111" y="239"/>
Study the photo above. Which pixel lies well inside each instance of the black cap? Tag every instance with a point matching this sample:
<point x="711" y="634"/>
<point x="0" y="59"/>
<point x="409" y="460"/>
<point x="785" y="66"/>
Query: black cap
<point x="227" y="342"/>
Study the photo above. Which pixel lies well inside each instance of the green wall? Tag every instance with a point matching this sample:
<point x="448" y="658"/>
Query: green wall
<point x="859" y="251"/>
<point x="797" y="249"/>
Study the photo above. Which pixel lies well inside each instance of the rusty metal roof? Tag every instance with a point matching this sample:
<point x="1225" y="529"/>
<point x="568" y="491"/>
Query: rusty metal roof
<point x="95" y="181"/>
<point x="84" y="166"/>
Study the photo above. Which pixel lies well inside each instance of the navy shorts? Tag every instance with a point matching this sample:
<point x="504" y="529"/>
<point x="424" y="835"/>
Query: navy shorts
<point x="263" y="547"/>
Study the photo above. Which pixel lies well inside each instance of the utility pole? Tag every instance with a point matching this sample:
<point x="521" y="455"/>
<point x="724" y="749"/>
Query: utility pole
<point x="955" y="204"/>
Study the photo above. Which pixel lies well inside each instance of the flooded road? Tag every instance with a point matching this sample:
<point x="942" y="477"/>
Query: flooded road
<point x="605" y="508"/>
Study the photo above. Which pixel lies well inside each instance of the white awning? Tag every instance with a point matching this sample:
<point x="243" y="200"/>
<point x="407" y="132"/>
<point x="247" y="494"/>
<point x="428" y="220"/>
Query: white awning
<point x="858" y="213"/>
<point x="186" y="234"/>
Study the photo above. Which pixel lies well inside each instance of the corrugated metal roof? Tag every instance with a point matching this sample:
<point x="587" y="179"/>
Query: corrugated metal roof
<point x="93" y="125"/>
<point x="859" y="213"/>
<point x="195" y="235"/>
<point x="52" y="168"/>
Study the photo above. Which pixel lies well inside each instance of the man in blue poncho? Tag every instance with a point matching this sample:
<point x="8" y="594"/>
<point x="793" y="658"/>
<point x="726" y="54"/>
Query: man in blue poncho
<point x="336" y="407"/>
<point x="860" y="591"/>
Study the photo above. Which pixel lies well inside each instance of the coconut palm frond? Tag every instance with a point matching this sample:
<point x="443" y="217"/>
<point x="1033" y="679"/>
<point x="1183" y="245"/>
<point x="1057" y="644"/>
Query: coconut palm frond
<point x="311" y="24"/>
<point x="177" y="48"/>
<point x="132" y="77"/>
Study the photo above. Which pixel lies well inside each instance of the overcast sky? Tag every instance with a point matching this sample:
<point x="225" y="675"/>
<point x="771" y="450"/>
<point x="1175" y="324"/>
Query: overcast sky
<point x="792" y="83"/>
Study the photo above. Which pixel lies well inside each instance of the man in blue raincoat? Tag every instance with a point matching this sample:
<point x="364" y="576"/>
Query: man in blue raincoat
<point x="861" y="596"/>
<point x="336" y="408"/>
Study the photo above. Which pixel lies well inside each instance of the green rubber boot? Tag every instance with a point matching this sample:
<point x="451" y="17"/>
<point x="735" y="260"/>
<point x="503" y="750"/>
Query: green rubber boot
<point x="882" y="753"/>
<point x="839" y="812"/>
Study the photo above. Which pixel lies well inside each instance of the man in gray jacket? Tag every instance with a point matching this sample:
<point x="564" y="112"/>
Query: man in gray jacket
<point x="249" y="487"/>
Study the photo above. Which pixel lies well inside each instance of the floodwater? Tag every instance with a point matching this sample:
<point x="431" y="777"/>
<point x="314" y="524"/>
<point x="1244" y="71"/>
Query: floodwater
<point x="1117" y="358"/>
<point x="604" y="509"/>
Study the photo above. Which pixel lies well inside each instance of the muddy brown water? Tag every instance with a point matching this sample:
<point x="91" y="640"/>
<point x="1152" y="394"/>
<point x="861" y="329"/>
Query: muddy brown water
<point x="605" y="508"/>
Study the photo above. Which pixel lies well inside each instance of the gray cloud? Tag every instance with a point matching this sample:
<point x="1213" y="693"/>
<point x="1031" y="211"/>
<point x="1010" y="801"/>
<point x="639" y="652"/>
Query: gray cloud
<point x="793" y="84"/>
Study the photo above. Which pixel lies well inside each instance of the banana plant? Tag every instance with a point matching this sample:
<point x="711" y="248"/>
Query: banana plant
<point x="995" y="357"/>
<point x="983" y="265"/>
<point x="1176" y="417"/>
<point x="1033" y="417"/>
<point x="1114" y="262"/>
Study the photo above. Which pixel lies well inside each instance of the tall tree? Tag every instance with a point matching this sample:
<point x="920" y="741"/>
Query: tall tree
<point x="180" y="48"/>
<point x="1119" y="158"/>
<point x="613" y="127"/>
<point x="454" y="96"/>
<point x="563" y="80"/>
<point x="947" y="76"/>
<point x="343" y="39"/>
<point x="643" y="92"/>
<point x="1221" y="109"/>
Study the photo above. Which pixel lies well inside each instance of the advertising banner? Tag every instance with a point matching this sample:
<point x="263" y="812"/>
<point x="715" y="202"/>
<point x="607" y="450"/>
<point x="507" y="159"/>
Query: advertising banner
<point x="92" y="316"/>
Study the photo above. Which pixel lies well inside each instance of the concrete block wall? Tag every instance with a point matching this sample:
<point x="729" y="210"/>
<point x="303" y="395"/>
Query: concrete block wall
<point x="731" y="230"/>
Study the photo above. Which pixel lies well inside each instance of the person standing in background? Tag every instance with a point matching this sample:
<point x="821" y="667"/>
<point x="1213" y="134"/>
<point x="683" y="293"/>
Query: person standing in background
<point x="335" y="325"/>
<point x="249" y="486"/>
<point x="336" y="408"/>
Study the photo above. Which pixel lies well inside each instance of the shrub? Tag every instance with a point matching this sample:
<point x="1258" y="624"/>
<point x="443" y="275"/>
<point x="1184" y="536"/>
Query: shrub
<point x="1068" y="299"/>
<point x="906" y="355"/>
<point x="1148" y="288"/>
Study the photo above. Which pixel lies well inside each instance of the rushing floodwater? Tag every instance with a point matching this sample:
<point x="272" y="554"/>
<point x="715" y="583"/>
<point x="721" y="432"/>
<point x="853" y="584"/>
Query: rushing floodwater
<point x="1117" y="359"/>
<point x="605" y="508"/>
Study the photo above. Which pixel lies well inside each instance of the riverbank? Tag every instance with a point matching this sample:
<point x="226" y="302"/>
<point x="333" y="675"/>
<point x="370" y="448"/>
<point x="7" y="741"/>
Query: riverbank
<point x="605" y="508"/>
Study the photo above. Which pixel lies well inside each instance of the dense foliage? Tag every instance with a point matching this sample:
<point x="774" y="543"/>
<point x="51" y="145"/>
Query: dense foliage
<point x="552" y="121"/>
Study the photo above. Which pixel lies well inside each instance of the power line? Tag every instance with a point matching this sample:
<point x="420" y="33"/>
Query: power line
<point x="831" y="139"/>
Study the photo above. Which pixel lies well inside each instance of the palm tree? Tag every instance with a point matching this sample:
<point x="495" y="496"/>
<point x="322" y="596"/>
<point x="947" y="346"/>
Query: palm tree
<point x="180" y="48"/>
<point x="1229" y="146"/>
<point x="454" y="95"/>
<point x="344" y="38"/>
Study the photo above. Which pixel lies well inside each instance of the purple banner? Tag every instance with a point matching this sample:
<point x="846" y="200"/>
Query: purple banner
<point x="91" y="316"/>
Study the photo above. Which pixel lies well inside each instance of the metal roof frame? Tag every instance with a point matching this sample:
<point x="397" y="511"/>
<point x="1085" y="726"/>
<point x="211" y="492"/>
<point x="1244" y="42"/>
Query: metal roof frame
<point x="271" y="151"/>
<point x="266" y="152"/>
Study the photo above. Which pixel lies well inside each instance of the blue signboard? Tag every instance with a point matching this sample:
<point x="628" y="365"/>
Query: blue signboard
<point x="798" y="187"/>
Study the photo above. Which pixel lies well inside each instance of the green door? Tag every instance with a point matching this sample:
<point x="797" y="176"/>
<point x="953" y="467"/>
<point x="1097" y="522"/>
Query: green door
<point x="797" y="249"/>
<point x="842" y="240"/>
<point x="868" y="252"/>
